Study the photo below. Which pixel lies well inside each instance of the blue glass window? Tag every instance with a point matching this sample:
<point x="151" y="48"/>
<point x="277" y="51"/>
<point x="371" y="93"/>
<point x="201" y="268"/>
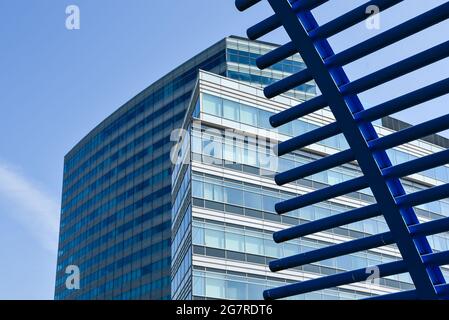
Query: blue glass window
<point x="248" y="116"/>
<point x="198" y="236"/>
<point x="253" y="200"/>
<point x="264" y="119"/>
<point x="269" y="203"/>
<point x="198" y="286"/>
<point x="254" y="245"/>
<point x="214" y="238"/>
<point x="197" y="189"/>
<point x="212" y="105"/>
<point x="215" y="288"/>
<point x="236" y="290"/>
<point x="233" y="196"/>
<point x="231" y="110"/>
<point x="235" y="242"/>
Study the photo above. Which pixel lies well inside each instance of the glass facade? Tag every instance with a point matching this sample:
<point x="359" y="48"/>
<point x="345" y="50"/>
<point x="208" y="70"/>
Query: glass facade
<point x="241" y="57"/>
<point x="139" y="227"/>
<point x="224" y="196"/>
<point x="116" y="204"/>
<point x="116" y="197"/>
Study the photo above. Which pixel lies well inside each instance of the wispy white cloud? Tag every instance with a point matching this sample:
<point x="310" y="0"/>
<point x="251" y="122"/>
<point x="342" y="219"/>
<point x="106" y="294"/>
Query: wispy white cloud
<point x="29" y="205"/>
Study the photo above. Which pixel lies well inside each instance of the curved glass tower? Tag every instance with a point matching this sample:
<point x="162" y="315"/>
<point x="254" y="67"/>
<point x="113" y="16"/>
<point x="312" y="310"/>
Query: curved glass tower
<point x="116" y="197"/>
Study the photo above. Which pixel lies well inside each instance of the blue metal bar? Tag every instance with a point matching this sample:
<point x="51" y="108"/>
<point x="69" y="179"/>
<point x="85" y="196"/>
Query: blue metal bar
<point x="287" y="83"/>
<point x="298" y="111"/>
<point x="301" y="5"/>
<point x="398" y="69"/>
<point x="308" y="138"/>
<point x="442" y="290"/>
<point x="313" y="54"/>
<point x="340" y="279"/>
<point x="430" y="228"/>
<point x="276" y="55"/>
<point x="410" y="134"/>
<point x="417" y="165"/>
<point x="264" y="27"/>
<point x="349" y="277"/>
<point x="391" y="36"/>
<point x="406" y="101"/>
<point x="316" y="166"/>
<point x="242" y="5"/>
<point x="349" y="19"/>
<point x="438" y="259"/>
<point x="272" y="23"/>
<point x="321" y="195"/>
<point x="327" y="223"/>
<point x="425" y="277"/>
<point x="337" y="250"/>
<point x="424" y="196"/>
<point x="331" y="28"/>
<point x="435" y="259"/>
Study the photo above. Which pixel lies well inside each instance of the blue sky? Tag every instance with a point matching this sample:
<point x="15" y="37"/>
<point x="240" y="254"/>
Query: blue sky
<point x="56" y="85"/>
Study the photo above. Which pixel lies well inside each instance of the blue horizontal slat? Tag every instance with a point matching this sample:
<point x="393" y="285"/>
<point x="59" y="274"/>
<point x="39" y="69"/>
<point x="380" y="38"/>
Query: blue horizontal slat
<point x="350" y="19"/>
<point x="276" y="55"/>
<point x="242" y="5"/>
<point x="403" y="295"/>
<point x="417" y="165"/>
<point x="337" y="250"/>
<point x="349" y="277"/>
<point x="316" y="166"/>
<point x="424" y="196"/>
<point x="321" y="195"/>
<point x="391" y="36"/>
<point x="308" y="138"/>
<point x="398" y="69"/>
<point x="264" y="27"/>
<point x="410" y="134"/>
<point x="301" y="5"/>
<point x="343" y="108"/>
<point x="334" y="221"/>
<point x="393" y="203"/>
<point x="287" y="83"/>
<point x="298" y="111"/>
<point x="430" y="228"/>
<point x="435" y="259"/>
<point x="340" y="279"/>
<point x="403" y="102"/>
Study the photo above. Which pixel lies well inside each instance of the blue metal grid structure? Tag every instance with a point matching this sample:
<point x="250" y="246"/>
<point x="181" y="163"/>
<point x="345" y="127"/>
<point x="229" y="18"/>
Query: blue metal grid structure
<point x="354" y="121"/>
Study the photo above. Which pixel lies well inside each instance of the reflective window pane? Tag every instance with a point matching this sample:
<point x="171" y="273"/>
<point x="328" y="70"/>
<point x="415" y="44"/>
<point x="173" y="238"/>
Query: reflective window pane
<point x="212" y="105"/>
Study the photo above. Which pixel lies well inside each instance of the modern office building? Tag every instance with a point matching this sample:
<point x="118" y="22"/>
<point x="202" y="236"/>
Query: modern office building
<point x="224" y="196"/>
<point x="116" y="197"/>
<point x="124" y="203"/>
